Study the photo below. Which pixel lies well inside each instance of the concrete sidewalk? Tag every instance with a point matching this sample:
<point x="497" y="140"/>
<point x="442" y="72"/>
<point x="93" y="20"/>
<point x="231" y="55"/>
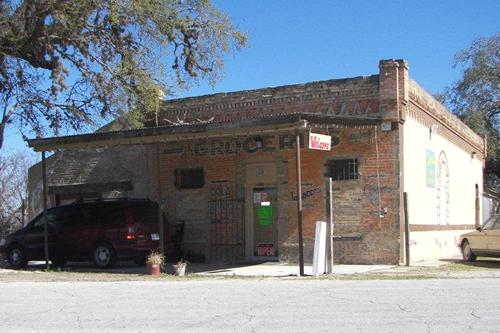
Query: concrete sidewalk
<point x="266" y="269"/>
<point x="275" y="269"/>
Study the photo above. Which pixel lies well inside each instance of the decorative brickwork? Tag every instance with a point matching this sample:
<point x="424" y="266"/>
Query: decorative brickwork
<point x="429" y="111"/>
<point x="356" y="97"/>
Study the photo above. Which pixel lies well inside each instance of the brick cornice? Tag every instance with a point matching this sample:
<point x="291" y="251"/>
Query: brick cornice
<point x="421" y="115"/>
<point x="300" y="93"/>
<point x="425" y="103"/>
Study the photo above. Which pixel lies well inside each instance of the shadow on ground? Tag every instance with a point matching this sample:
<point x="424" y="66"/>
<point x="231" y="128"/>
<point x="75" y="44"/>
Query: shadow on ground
<point x="129" y="267"/>
<point x="481" y="262"/>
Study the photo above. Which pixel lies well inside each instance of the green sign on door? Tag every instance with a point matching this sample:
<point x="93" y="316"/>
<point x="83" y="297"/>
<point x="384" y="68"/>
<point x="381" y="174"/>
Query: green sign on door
<point x="265" y="215"/>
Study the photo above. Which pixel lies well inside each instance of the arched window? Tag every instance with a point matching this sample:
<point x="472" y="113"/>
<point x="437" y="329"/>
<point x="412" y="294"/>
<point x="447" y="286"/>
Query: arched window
<point x="443" y="190"/>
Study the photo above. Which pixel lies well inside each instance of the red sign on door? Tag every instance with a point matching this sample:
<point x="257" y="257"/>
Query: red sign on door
<point x="265" y="249"/>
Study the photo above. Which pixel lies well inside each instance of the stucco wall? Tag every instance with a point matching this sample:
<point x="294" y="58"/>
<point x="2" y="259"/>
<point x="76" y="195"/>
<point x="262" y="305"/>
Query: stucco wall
<point x="440" y="178"/>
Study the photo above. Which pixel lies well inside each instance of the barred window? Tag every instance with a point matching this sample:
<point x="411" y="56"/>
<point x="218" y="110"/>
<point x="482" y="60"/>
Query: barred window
<point x="189" y="178"/>
<point x="343" y="169"/>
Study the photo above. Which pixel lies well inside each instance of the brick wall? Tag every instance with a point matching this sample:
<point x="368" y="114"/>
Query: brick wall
<point x="357" y="203"/>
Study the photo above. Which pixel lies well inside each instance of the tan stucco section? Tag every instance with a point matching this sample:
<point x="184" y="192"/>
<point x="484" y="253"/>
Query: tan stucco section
<point x="441" y="194"/>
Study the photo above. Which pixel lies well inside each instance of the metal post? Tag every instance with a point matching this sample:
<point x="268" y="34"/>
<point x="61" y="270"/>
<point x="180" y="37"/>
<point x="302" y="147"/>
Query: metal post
<point x="160" y="210"/>
<point x="330" y="225"/>
<point x="407" y="229"/>
<point x="157" y="110"/>
<point x="158" y="171"/>
<point x="299" y="205"/>
<point x="477" y="211"/>
<point x="45" y="226"/>
<point x="23" y="209"/>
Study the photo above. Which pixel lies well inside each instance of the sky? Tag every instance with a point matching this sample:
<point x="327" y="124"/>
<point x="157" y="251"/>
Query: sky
<point x="301" y="41"/>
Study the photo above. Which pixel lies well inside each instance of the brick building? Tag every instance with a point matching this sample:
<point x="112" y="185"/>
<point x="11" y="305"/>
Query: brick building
<point x="227" y="169"/>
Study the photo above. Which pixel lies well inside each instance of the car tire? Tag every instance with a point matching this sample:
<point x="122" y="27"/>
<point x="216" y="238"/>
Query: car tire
<point x="104" y="255"/>
<point x="467" y="252"/>
<point x="16" y="256"/>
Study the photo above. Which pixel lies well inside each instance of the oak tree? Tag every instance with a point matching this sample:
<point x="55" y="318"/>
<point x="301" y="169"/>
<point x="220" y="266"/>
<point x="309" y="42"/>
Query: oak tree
<point x="67" y="64"/>
<point x="475" y="97"/>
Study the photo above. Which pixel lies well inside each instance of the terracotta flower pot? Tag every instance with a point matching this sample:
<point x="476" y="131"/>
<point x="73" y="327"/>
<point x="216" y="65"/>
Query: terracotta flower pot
<point x="154" y="269"/>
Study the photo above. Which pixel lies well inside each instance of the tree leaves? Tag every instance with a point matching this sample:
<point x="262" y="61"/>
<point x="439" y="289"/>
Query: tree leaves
<point x="93" y="59"/>
<point x="475" y="98"/>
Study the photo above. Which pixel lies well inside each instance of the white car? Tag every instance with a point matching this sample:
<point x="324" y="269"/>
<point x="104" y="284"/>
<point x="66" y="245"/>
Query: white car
<point x="484" y="241"/>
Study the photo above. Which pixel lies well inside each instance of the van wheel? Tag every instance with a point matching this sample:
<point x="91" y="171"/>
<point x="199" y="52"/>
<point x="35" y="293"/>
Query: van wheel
<point x="16" y="256"/>
<point x="467" y="252"/>
<point x="104" y="255"/>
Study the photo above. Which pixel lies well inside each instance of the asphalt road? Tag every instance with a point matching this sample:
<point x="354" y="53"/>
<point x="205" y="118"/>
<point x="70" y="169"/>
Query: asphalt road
<point x="253" y="306"/>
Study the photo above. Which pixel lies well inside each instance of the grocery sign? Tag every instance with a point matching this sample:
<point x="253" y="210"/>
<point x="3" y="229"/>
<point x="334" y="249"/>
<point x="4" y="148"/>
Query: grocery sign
<point x="320" y="141"/>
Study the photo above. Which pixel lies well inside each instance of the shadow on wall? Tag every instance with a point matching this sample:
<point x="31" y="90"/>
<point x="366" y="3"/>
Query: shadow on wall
<point x="91" y="166"/>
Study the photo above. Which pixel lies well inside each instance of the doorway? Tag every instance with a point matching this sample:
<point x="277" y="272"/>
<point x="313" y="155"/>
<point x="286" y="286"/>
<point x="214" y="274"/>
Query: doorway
<point x="265" y="223"/>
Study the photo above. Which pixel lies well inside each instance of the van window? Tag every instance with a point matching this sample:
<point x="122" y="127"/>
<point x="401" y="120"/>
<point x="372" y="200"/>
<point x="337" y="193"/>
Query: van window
<point x="111" y="213"/>
<point x="52" y="220"/>
<point x="38" y="222"/>
<point x="85" y="215"/>
<point x="66" y="216"/>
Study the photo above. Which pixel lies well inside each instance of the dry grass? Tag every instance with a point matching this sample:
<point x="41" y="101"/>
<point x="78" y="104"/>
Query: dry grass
<point x="484" y="267"/>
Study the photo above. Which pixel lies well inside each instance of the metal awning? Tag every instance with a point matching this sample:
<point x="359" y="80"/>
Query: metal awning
<point x="294" y="121"/>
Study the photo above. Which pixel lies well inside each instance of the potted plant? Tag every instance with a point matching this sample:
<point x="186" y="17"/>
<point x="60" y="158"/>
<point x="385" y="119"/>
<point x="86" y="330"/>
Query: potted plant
<point x="180" y="267"/>
<point x="154" y="262"/>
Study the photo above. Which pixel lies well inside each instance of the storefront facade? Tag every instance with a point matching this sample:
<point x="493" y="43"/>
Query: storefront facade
<point x="228" y="169"/>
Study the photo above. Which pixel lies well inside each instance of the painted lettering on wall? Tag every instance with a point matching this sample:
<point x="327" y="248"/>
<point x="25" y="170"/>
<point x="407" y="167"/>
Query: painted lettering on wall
<point x="230" y="146"/>
<point x="306" y="194"/>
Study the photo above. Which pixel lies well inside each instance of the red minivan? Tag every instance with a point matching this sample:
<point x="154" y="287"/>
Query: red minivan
<point x="102" y="231"/>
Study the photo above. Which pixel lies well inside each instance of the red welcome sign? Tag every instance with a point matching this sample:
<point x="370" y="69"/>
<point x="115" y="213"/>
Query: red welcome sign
<point x="320" y="141"/>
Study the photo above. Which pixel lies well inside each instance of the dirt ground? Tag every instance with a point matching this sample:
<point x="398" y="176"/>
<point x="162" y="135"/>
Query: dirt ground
<point x="74" y="272"/>
<point x="127" y="271"/>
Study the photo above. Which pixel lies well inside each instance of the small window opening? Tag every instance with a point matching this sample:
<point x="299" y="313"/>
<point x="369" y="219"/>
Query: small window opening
<point x="345" y="169"/>
<point x="189" y="178"/>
